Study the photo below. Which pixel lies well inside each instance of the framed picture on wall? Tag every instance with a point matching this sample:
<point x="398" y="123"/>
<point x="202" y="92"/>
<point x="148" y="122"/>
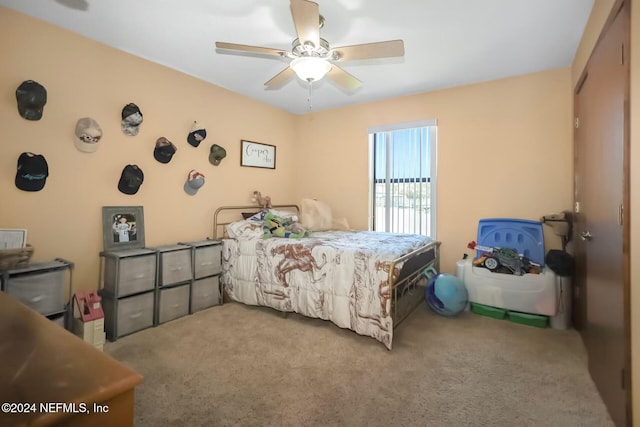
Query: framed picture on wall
<point x="122" y="227"/>
<point x="257" y="155"/>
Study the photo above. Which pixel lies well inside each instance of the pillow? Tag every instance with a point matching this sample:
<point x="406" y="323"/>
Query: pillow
<point x="283" y="214"/>
<point x="315" y="215"/>
<point x="243" y="230"/>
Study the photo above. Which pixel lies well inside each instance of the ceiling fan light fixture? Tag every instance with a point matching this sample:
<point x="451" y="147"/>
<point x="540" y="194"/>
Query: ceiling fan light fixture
<point x="310" y="68"/>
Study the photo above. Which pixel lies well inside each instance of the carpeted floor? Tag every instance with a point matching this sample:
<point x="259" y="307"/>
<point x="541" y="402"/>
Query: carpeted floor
<point x="235" y="365"/>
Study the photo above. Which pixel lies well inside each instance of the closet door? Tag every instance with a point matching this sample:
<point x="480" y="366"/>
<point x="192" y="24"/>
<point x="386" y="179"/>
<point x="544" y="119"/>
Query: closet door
<point x="601" y="181"/>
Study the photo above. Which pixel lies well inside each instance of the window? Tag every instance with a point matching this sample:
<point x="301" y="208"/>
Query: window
<point x="403" y="178"/>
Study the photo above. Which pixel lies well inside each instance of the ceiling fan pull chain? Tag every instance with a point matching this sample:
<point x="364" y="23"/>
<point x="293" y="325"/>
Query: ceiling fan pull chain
<point x="309" y="97"/>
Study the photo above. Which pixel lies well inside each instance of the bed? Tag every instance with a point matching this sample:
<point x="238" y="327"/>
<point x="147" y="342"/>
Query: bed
<point x="368" y="282"/>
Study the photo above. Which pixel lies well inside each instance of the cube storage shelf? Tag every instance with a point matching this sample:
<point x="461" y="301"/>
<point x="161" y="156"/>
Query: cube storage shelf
<point x="207" y="266"/>
<point x="150" y="286"/>
<point x="174" y="279"/>
<point x="128" y="290"/>
<point x="43" y="286"/>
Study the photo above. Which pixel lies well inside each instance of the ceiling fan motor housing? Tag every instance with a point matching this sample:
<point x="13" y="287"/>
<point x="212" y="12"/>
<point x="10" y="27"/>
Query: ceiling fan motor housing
<point x="300" y="49"/>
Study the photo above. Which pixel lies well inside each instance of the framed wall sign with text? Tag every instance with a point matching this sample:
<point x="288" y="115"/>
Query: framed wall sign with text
<point x="257" y="155"/>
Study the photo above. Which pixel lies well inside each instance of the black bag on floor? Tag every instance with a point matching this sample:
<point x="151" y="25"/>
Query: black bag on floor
<point x="560" y="262"/>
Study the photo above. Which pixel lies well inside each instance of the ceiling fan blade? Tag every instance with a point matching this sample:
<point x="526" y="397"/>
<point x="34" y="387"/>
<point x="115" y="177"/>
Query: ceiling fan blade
<point x="306" y="18"/>
<point x="343" y="78"/>
<point x="387" y="49"/>
<point x="280" y="79"/>
<point x="252" y="49"/>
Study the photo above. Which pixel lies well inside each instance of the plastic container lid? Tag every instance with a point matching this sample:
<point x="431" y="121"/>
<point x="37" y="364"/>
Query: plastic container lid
<point x="525" y="236"/>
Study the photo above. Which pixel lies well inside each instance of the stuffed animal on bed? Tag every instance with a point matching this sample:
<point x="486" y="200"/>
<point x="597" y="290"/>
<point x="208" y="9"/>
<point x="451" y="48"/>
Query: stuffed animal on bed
<point x="263" y="202"/>
<point x="277" y="226"/>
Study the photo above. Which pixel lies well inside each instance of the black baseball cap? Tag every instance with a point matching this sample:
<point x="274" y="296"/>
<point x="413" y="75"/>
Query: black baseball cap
<point x="31" y="97"/>
<point x="197" y="134"/>
<point x="131" y="179"/>
<point x="32" y="172"/>
<point x="164" y="150"/>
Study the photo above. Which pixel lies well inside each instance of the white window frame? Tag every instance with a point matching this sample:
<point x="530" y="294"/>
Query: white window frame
<point x="433" y="134"/>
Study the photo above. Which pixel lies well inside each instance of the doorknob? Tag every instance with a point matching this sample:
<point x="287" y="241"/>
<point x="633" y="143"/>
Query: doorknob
<point x="586" y="235"/>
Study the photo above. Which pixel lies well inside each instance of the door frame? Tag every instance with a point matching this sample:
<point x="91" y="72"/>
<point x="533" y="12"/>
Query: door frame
<point x="624" y="7"/>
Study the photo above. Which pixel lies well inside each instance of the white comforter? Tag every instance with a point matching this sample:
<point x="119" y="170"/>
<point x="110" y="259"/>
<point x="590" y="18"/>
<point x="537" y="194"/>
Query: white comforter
<point x="341" y="276"/>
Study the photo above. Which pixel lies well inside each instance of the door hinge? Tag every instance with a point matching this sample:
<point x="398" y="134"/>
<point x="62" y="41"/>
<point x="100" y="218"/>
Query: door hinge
<point x="576" y="122"/>
<point x="620" y="215"/>
<point x="576" y="208"/>
<point x="622" y="54"/>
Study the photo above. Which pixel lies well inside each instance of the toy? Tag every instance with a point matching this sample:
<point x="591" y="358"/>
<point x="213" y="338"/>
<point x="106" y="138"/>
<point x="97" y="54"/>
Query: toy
<point x="503" y="260"/>
<point x="446" y="294"/>
<point x="263" y="202"/>
<point x="277" y="226"/>
<point x="296" y="226"/>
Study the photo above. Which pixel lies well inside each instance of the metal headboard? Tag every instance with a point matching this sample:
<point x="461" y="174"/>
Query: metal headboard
<point x="226" y="210"/>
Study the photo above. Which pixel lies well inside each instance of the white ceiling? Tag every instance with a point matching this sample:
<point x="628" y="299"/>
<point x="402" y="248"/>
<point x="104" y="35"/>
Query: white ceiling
<point x="447" y="42"/>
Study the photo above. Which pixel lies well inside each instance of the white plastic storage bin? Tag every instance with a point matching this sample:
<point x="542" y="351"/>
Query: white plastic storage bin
<point x="529" y="293"/>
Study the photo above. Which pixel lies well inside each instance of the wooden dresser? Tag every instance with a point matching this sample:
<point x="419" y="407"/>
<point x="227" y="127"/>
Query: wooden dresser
<point x="50" y="377"/>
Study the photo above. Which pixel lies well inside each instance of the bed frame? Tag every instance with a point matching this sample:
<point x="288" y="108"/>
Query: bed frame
<point x="406" y="287"/>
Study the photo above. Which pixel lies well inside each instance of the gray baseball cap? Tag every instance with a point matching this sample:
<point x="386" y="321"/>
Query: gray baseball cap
<point x="195" y="180"/>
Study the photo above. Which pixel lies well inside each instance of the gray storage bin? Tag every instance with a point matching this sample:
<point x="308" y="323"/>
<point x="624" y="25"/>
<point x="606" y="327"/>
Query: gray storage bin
<point x="205" y="293"/>
<point x="173" y="303"/>
<point x="127" y="315"/>
<point x="43" y="292"/>
<point x="176" y="266"/>
<point x="208" y="261"/>
<point x="133" y="274"/>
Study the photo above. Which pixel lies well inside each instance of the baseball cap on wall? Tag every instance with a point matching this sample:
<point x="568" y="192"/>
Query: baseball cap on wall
<point x="195" y="180"/>
<point x="164" y="150"/>
<point x="131" y="119"/>
<point x="88" y="134"/>
<point x="217" y="154"/>
<point x="197" y="134"/>
<point x="131" y="179"/>
<point x="32" y="172"/>
<point x="31" y="97"/>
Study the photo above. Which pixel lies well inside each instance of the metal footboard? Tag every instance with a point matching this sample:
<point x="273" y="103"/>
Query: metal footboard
<point x="407" y="286"/>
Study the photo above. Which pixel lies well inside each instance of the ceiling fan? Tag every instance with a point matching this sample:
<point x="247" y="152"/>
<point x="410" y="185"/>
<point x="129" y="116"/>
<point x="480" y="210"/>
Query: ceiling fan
<point x="312" y="57"/>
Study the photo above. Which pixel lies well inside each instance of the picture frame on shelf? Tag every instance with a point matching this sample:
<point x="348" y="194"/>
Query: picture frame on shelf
<point x="257" y="155"/>
<point x="13" y="238"/>
<point x="122" y="227"/>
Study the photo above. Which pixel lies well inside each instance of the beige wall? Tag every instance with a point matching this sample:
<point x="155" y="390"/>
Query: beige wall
<point x="504" y="150"/>
<point x="85" y="78"/>
<point x="504" y="147"/>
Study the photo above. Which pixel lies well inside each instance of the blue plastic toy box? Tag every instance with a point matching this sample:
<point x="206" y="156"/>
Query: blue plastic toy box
<point x="527" y="293"/>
